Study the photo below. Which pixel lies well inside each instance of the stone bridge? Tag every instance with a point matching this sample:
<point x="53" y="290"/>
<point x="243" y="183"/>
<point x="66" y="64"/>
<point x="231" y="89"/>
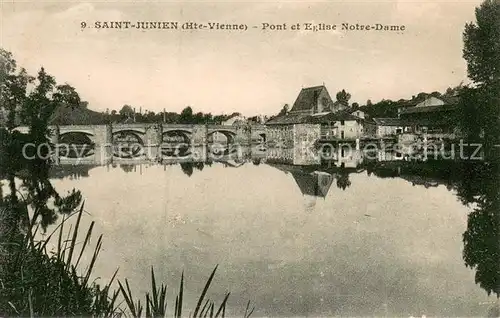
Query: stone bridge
<point x="153" y="141"/>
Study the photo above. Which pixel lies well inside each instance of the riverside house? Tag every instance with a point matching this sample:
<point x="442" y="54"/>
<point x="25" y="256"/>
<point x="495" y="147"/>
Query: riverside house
<point x="358" y="113"/>
<point x="339" y="126"/>
<point x="433" y="115"/>
<point x="389" y="127"/>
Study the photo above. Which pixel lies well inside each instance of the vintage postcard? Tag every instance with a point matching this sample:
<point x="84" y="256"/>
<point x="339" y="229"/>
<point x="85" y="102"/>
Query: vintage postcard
<point x="250" y="159"/>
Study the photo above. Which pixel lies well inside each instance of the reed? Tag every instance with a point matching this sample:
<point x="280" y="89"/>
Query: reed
<point x="39" y="282"/>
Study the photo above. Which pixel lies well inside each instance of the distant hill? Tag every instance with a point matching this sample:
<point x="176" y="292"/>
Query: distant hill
<point x="78" y="116"/>
<point x="68" y="116"/>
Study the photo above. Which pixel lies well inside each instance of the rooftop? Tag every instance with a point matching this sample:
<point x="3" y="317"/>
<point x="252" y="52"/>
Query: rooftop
<point x="298" y="118"/>
<point x="409" y="122"/>
<point x="338" y="116"/>
<point x="388" y="121"/>
<point x="290" y="119"/>
<point x="308" y="97"/>
<point x="427" y="109"/>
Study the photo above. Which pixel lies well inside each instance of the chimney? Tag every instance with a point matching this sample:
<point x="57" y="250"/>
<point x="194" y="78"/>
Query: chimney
<point x="164" y="116"/>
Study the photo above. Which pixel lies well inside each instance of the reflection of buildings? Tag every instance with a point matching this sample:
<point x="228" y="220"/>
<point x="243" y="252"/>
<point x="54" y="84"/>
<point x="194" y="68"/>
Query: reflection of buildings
<point x="348" y="157"/>
<point x="315" y="183"/>
<point x="312" y="180"/>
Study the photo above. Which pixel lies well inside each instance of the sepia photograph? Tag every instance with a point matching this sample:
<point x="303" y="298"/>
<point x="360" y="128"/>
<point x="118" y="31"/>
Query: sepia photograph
<point x="288" y="158"/>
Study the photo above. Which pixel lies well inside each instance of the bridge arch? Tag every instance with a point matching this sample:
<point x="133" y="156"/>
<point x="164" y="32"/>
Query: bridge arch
<point x="81" y="131"/>
<point x="75" y="144"/>
<point x="213" y="135"/>
<point x="128" y="143"/>
<point x="176" y="143"/>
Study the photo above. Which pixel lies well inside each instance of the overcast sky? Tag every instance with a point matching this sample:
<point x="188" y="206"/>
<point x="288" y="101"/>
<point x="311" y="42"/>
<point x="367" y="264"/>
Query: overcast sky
<point x="250" y="72"/>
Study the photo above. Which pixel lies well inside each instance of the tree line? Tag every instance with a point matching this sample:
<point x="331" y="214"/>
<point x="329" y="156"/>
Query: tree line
<point x="186" y="116"/>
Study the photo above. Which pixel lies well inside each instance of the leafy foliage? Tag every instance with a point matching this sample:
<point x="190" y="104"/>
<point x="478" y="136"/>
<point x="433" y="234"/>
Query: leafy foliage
<point x="284" y="110"/>
<point x="480" y="106"/>
<point x="343" y="97"/>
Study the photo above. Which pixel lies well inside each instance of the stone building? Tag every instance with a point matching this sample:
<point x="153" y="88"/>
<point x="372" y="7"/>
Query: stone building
<point x="389" y="127"/>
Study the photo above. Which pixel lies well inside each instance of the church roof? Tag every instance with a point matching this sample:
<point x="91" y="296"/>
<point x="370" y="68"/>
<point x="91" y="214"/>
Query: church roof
<point x="308" y="97"/>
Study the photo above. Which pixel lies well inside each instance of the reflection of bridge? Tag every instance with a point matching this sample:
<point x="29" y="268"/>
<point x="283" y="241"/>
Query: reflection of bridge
<point x="153" y="141"/>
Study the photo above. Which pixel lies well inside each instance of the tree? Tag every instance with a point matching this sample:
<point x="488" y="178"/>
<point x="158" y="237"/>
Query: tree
<point x="369" y="103"/>
<point x="481" y="251"/>
<point x="479" y="115"/>
<point x="126" y="111"/>
<point x="208" y="118"/>
<point x="198" y="118"/>
<point x="186" y="116"/>
<point x="34" y="109"/>
<point x="13" y="88"/>
<point x="355" y="106"/>
<point x="284" y="110"/>
<point x="453" y="91"/>
<point x="343" y="181"/>
<point x="482" y="54"/>
<point x="482" y="45"/>
<point x="343" y="97"/>
<point x="187" y="168"/>
<point x="72" y="99"/>
<point x="384" y="108"/>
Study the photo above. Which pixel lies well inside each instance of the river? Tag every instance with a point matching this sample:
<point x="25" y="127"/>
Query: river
<point x="295" y="241"/>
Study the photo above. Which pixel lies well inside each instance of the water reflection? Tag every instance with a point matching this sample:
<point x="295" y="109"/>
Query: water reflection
<point x="351" y="235"/>
<point x="370" y="237"/>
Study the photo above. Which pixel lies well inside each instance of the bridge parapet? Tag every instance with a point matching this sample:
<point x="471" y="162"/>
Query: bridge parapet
<point x="177" y="126"/>
<point x="106" y="139"/>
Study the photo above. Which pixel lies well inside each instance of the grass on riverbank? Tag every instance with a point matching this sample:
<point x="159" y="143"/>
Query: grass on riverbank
<point x="37" y="282"/>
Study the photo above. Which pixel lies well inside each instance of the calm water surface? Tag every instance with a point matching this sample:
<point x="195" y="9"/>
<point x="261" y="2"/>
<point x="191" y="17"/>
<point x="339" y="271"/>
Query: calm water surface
<point x="291" y="242"/>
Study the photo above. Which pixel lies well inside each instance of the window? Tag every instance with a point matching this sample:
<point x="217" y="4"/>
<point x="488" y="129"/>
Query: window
<point x="342" y="122"/>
